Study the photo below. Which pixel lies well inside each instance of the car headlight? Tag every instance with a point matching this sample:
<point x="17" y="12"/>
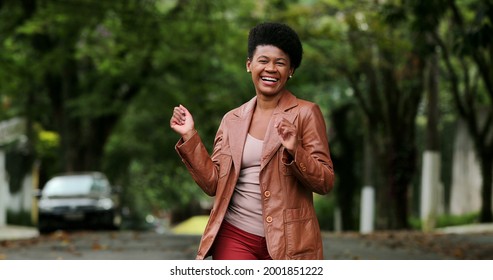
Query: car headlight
<point x="104" y="203"/>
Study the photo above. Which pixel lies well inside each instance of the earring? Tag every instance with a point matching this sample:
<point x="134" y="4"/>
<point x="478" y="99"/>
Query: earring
<point x="290" y="76"/>
<point x="248" y="71"/>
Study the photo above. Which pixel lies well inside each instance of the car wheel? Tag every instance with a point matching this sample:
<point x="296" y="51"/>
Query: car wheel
<point x="113" y="220"/>
<point x="44" y="229"/>
<point x="117" y="220"/>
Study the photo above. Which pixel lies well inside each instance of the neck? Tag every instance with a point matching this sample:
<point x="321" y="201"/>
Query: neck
<point x="267" y="103"/>
<point x="265" y="106"/>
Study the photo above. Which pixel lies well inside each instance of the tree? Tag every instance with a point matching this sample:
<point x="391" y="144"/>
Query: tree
<point x="83" y="68"/>
<point x="467" y="56"/>
<point x="82" y="65"/>
<point x="371" y="46"/>
<point x="425" y="16"/>
<point x="200" y="64"/>
<point x="387" y="78"/>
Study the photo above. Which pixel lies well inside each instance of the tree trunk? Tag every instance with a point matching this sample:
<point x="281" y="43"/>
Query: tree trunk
<point x="344" y="160"/>
<point x="430" y="169"/>
<point x="401" y="166"/>
<point x="486" y="191"/>
<point x="432" y="136"/>
<point x="467" y="105"/>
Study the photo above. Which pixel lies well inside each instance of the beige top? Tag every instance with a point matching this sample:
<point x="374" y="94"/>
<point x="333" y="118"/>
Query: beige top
<point x="245" y="208"/>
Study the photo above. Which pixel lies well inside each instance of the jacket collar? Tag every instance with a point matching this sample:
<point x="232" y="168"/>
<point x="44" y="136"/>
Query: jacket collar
<point x="237" y="132"/>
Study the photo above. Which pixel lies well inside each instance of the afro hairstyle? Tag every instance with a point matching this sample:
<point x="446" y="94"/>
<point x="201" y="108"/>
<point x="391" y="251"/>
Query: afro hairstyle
<point x="279" y="35"/>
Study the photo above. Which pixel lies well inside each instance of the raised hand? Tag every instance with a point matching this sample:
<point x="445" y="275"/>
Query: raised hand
<point x="182" y="122"/>
<point x="288" y="134"/>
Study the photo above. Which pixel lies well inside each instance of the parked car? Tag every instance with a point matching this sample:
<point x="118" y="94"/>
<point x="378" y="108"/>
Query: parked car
<point x="78" y="200"/>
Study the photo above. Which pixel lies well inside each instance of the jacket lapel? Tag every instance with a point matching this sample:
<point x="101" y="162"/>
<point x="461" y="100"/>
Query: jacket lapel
<point x="287" y="108"/>
<point x="238" y="130"/>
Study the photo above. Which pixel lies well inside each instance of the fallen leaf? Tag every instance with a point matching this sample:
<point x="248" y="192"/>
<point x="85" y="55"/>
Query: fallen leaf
<point x="459" y="253"/>
<point x="96" y="246"/>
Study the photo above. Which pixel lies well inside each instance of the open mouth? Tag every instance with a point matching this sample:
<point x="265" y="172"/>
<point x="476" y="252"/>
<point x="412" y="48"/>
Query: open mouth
<point x="269" y="79"/>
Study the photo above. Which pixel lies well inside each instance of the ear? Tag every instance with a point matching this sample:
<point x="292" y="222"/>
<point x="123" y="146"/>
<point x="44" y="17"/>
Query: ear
<point x="248" y="62"/>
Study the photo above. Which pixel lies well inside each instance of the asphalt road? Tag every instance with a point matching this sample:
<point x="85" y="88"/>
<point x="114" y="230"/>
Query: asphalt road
<point x="131" y="245"/>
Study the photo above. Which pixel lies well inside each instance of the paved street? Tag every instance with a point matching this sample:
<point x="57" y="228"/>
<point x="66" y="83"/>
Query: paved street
<point x="100" y="245"/>
<point x="124" y="245"/>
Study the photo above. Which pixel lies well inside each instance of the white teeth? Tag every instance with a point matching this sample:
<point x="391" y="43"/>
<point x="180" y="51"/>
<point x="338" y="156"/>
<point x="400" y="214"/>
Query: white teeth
<point x="269" y="79"/>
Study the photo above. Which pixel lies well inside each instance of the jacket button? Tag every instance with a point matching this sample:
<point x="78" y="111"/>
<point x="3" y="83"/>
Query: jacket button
<point x="303" y="167"/>
<point x="267" y="193"/>
<point x="268" y="219"/>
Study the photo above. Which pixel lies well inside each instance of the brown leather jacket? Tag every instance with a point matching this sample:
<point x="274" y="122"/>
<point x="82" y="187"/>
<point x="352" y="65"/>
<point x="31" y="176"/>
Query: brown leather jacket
<point x="287" y="185"/>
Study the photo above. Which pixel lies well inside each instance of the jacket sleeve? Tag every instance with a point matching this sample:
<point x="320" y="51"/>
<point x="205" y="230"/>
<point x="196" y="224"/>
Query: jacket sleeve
<point x="312" y="164"/>
<point x="203" y="168"/>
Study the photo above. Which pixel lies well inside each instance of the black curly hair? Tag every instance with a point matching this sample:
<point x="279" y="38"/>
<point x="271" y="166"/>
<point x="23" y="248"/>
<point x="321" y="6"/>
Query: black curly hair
<point x="279" y="35"/>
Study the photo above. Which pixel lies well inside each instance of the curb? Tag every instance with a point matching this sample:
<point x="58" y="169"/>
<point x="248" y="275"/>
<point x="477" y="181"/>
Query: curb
<point x="11" y="232"/>
<point x="467" y="229"/>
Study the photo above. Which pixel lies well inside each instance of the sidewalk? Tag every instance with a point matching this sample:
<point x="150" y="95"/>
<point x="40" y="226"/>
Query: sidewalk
<point x="12" y="232"/>
<point x="472" y="242"/>
<point x="467" y="229"/>
<point x="468" y="242"/>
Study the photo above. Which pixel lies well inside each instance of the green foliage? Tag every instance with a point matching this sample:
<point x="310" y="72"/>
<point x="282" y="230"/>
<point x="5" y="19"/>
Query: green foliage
<point x="325" y="209"/>
<point x="19" y="218"/>
<point x="449" y="220"/>
<point x="47" y="143"/>
<point x="99" y="79"/>
<point x="18" y="164"/>
<point x="46" y="149"/>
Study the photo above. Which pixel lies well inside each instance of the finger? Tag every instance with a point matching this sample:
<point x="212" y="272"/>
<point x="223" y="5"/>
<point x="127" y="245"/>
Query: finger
<point x="177" y="112"/>
<point x="180" y="110"/>
<point x="174" y="122"/>
<point x="175" y="117"/>
<point x="283" y="132"/>
<point x="182" y="113"/>
<point x="184" y="110"/>
<point x="283" y="124"/>
<point x="286" y="130"/>
<point x="277" y="122"/>
<point x="178" y="116"/>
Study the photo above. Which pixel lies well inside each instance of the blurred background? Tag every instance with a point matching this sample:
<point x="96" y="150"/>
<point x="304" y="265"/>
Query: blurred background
<point x="406" y="88"/>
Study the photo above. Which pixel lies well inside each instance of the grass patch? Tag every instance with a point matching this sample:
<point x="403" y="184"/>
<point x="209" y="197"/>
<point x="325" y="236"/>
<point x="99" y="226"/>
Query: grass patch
<point x="22" y="218"/>
<point x="448" y="220"/>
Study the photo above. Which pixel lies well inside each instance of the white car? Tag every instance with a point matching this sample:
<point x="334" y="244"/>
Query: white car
<point x="82" y="200"/>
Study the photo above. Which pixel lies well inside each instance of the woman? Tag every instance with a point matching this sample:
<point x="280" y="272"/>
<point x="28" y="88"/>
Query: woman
<point x="270" y="155"/>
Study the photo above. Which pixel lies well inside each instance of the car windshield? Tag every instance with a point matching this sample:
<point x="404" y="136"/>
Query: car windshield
<point x="68" y="186"/>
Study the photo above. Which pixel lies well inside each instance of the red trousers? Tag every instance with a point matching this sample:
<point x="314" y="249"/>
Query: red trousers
<point x="233" y="243"/>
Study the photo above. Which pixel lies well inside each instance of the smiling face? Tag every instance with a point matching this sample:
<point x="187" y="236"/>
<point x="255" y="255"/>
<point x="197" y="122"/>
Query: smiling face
<point x="270" y="68"/>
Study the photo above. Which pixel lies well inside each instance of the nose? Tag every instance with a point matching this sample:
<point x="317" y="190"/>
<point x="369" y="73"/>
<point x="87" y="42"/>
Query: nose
<point x="270" y="67"/>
